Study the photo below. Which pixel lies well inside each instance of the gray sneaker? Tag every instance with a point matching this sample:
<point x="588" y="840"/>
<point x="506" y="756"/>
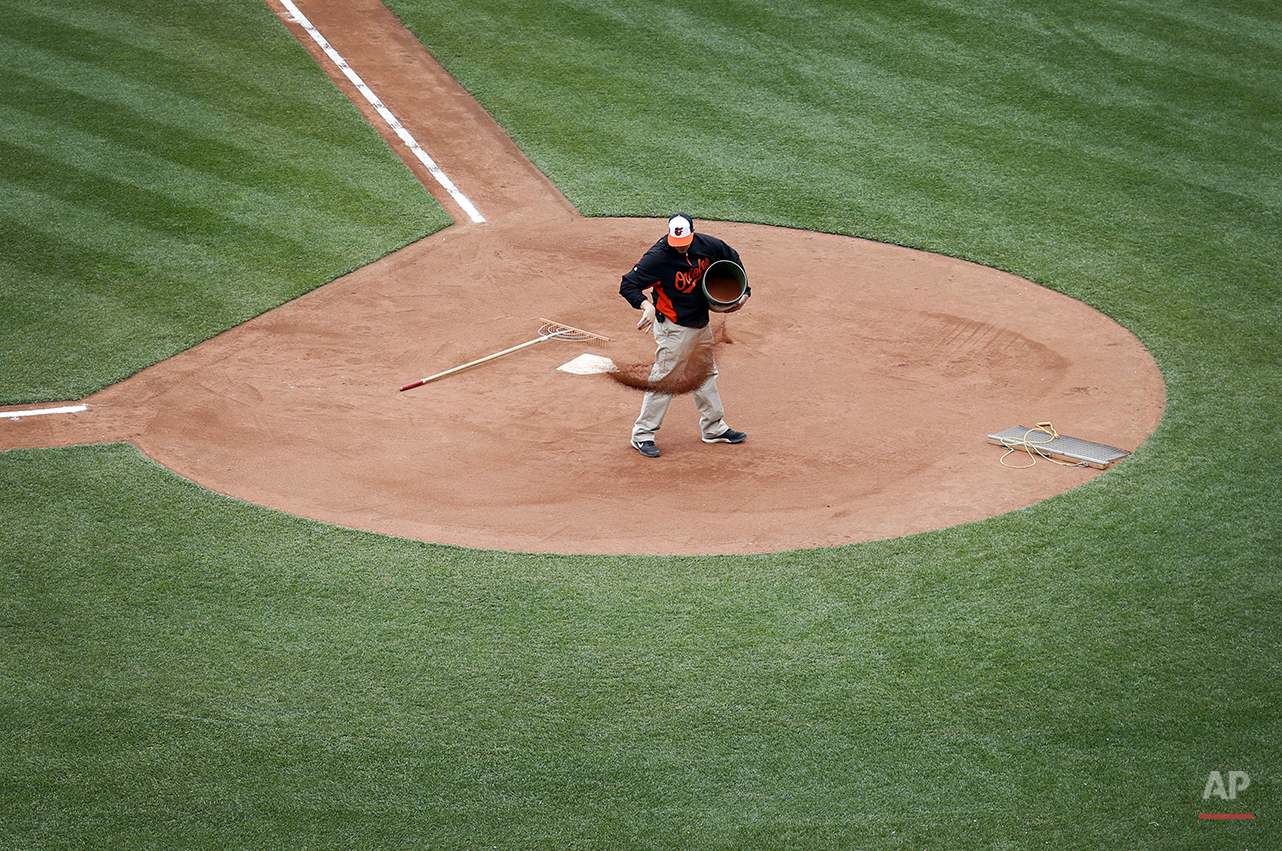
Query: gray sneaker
<point x="727" y="436"/>
<point x="646" y="448"/>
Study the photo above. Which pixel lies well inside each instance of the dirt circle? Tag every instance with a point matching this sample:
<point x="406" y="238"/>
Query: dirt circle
<point x="867" y="378"/>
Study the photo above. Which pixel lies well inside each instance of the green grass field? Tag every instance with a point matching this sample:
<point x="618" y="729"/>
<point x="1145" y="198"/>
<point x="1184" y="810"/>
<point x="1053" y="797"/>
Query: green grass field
<point x="182" y="670"/>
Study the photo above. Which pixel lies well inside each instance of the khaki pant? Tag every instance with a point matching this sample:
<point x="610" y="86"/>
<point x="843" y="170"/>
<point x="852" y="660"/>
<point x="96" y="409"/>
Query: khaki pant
<point x="675" y="343"/>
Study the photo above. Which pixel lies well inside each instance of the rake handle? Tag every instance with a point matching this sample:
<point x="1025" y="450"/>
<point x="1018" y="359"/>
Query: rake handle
<point x="524" y="345"/>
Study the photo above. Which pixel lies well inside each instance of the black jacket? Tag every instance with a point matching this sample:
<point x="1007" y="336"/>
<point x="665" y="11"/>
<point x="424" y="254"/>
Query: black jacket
<point x="675" y="278"/>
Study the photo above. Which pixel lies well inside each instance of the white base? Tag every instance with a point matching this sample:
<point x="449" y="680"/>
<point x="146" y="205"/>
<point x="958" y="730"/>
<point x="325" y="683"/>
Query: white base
<point x="586" y="364"/>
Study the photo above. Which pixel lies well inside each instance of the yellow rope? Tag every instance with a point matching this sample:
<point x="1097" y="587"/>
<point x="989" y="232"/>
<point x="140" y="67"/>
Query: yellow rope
<point x="1032" y="447"/>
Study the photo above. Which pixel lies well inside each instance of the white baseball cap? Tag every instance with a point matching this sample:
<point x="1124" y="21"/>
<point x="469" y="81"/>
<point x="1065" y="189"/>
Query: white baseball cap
<point x="680" y="231"/>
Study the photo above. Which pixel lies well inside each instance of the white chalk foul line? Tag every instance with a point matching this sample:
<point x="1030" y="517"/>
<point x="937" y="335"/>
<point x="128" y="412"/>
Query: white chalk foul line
<point x="66" y="409"/>
<point x="386" y="114"/>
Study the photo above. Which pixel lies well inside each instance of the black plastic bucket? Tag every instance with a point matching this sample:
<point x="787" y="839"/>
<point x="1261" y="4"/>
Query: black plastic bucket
<point x="724" y="285"/>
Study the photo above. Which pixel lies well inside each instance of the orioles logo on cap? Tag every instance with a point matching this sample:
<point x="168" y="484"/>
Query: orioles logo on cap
<point x="680" y="231"/>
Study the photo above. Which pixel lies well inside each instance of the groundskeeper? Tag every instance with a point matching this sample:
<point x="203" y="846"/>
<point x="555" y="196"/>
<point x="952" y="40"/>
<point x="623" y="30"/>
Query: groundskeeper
<point x="678" y="314"/>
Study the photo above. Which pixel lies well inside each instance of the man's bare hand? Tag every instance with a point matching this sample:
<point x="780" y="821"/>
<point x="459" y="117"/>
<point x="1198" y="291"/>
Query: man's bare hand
<point x="647" y="317"/>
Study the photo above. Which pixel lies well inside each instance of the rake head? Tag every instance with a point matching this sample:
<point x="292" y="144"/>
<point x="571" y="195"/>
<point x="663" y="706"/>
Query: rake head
<point x="560" y="331"/>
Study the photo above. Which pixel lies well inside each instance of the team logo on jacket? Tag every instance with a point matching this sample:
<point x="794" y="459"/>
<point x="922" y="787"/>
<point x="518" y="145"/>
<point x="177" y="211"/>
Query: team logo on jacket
<point x="687" y="280"/>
